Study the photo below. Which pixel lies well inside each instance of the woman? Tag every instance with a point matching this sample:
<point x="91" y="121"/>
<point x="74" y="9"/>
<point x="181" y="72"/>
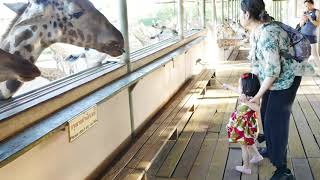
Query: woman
<point x="309" y="22"/>
<point x="279" y="79"/>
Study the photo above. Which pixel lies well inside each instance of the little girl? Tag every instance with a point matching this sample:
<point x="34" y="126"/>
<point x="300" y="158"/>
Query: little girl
<point x="242" y="127"/>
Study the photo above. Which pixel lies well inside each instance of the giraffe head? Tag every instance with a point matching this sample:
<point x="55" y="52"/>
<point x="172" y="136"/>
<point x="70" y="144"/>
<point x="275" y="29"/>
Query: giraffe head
<point x="75" y="22"/>
<point x="15" y="67"/>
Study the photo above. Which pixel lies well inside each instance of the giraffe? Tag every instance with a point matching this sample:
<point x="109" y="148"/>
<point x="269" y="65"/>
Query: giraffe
<point x="14" y="67"/>
<point x="41" y="23"/>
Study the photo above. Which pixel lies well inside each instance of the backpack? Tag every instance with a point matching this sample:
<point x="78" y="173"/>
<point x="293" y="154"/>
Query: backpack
<point x="300" y="44"/>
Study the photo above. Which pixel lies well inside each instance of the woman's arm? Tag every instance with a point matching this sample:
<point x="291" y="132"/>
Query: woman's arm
<point x="266" y="84"/>
<point x="252" y="105"/>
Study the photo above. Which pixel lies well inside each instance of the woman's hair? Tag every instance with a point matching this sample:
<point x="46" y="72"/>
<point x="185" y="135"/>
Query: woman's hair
<point x="256" y="9"/>
<point x="250" y="84"/>
<point x="309" y="1"/>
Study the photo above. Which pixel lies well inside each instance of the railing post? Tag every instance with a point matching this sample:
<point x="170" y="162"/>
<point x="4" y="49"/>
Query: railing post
<point x="203" y="14"/>
<point x="222" y="11"/>
<point x="181" y="19"/>
<point x="123" y="14"/>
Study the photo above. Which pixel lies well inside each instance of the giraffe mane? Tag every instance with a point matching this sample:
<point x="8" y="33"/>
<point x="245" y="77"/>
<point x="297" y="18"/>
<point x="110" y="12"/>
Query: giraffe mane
<point x="13" y="22"/>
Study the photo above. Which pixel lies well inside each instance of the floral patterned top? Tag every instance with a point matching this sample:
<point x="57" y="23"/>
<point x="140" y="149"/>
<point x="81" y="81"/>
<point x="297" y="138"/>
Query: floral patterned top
<point x="266" y="42"/>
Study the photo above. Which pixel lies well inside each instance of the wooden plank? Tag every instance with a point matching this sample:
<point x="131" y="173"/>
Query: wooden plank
<point x="310" y="115"/>
<point x="301" y="169"/>
<point x="203" y="114"/>
<point x="185" y="164"/>
<point x="200" y="167"/>
<point x="308" y="141"/>
<point x="124" y="173"/>
<point x="216" y="123"/>
<point x="160" y="159"/>
<point x="218" y="162"/>
<point x="174" y="156"/>
<point x="220" y="156"/>
<point x="170" y="164"/>
<point x="315" y="164"/>
<point x="234" y="159"/>
<point x="295" y="144"/>
<point x="135" y="175"/>
<point x="254" y="173"/>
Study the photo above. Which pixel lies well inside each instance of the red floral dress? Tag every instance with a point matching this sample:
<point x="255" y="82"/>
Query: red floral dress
<point x="242" y="126"/>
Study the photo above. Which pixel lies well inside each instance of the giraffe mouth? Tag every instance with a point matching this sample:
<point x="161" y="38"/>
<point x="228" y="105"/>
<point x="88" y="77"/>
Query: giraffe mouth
<point x="31" y="75"/>
<point x="113" y="49"/>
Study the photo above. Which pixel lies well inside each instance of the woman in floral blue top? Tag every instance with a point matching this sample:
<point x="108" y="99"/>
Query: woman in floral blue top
<point x="279" y="79"/>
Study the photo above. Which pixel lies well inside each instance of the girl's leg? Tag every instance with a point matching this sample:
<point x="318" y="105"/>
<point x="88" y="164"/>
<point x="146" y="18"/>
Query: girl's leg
<point x="256" y="156"/>
<point x="245" y="157"/>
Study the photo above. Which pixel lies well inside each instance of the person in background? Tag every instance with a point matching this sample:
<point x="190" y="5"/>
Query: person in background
<point x="309" y="23"/>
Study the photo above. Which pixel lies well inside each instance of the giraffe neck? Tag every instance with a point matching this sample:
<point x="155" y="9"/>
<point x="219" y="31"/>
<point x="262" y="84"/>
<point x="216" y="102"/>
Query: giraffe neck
<point x="25" y="43"/>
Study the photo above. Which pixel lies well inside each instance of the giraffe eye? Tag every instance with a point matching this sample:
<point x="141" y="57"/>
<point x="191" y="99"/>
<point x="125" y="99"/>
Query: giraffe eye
<point x="77" y="15"/>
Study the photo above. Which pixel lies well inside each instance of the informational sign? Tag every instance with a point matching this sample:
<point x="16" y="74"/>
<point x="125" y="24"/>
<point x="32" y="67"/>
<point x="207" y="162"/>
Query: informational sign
<point x="83" y="122"/>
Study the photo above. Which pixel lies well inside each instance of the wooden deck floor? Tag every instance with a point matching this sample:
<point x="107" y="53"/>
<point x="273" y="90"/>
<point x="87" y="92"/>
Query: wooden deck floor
<point x="202" y="150"/>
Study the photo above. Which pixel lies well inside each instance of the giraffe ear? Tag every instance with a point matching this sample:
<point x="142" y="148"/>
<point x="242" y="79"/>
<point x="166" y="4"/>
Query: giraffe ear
<point x="17" y="7"/>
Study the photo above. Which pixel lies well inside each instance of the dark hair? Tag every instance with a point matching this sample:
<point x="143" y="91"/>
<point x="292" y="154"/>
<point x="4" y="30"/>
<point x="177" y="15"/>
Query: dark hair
<point x="256" y="9"/>
<point x="309" y="1"/>
<point x="250" y="84"/>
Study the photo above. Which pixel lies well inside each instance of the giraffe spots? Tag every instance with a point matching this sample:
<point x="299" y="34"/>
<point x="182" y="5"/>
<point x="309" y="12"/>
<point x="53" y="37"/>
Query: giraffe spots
<point x="44" y="44"/>
<point x="45" y="26"/>
<point x="70" y="24"/>
<point x="49" y="35"/>
<point x="89" y="38"/>
<point x="32" y="59"/>
<point x="73" y="34"/>
<point x="65" y="40"/>
<point x="34" y="28"/>
<point x="80" y="33"/>
<point x="80" y="44"/>
<point x="29" y="47"/>
<point x="7" y="47"/>
<point x="61" y="25"/>
<point x="71" y="41"/>
<point x="55" y="24"/>
<point x="64" y="19"/>
<point x="13" y="85"/>
<point x="26" y="34"/>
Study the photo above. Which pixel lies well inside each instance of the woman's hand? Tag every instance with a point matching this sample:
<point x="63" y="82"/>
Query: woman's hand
<point x="255" y="100"/>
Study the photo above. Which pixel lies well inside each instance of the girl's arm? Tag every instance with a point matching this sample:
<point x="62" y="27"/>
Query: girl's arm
<point x="229" y="87"/>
